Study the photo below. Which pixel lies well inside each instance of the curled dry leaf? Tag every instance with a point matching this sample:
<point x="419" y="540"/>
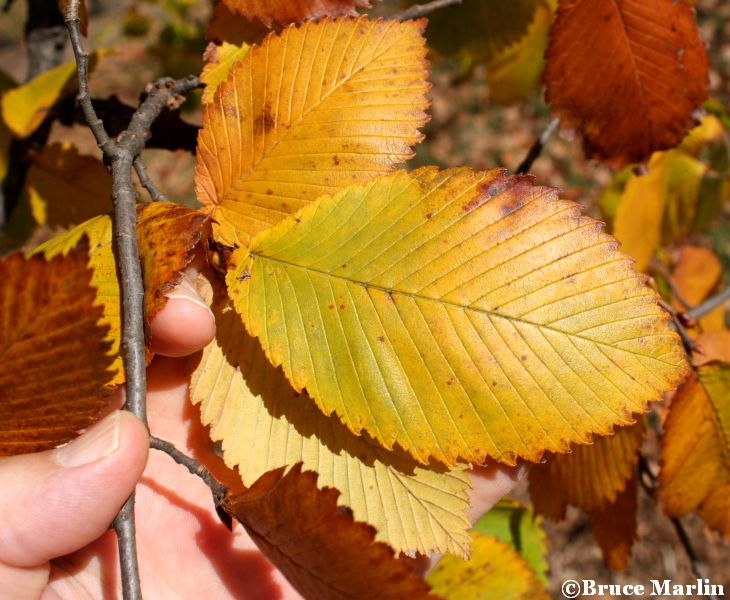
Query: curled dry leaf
<point x="494" y="570"/>
<point x="342" y="102"/>
<point x="55" y="365"/>
<point x="168" y="234"/>
<point x="590" y="477"/>
<point x="695" y="454"/>
<point x="627" y="73"/>
<point x="294" y="11"/>
<point x="460" y="314"/>
<point x="318" y="546"/>
<point x="264" y="425"/>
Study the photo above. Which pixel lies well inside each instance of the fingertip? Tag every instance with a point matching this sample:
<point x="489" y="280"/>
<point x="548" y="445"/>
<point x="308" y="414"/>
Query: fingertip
<point x="490" y="484"/>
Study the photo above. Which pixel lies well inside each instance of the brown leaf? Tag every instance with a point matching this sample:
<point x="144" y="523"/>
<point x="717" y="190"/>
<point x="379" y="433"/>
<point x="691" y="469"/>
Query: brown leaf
<point x="590" y="476"/>
<point x="227" y="26"/>
<point x="627" y="73"/>
<point x="323" y="552"/>
<point x="168" y="233"/>
<point x="614" y="527"/>
<point x="294" y="11"/>
<point x="55" y="361"/>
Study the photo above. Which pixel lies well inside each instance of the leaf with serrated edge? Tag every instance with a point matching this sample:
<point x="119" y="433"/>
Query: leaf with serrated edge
<point x="308" y="113"/>
<point x="461" y="314"/>
<point x="695" y="454"/>
<point x="590" y="476"/>
<point x="264" y="424"/>
<point x="317" y="545"/>
<point x="627" y="74"/>
<point x="494" y="570"/>
<point x="55" y="364"/>
<point x="294" y="11"/>
<point x="219" y="60"/>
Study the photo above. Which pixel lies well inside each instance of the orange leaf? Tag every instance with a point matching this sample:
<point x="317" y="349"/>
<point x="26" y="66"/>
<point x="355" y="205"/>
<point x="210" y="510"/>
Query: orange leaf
<point x="614" y="527"/>
<point x="55" y="361"/>
<point x="696" y="274"/>
<point x="227" y="26"/>
<point x="168" y="233"/>
<point x="695" y="455"/>
<point x="294" y="11"/>
<point x="712" y="346"/>
<point x="316" y="544"/>
<point x="590" y="477"/>
<point x="627" y="73"/>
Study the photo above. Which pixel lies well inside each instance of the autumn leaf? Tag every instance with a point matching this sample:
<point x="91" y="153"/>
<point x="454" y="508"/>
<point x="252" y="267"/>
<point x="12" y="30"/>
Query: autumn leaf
<point x="219" y="59"/>
<point x="66" y="188"/>
<point x="590" y="477"/>
<point x="517" y="525"/>
<point x="227" y="26"/>
<point x="697" y="273"/>
<point x="494" y="570"/>
<point x="661" y="200"/>
<point x="653" y="74"/>
<point x="55" y="363"/>
<point x="317" y="545"/>
<point x="481" y="29"/>
<point x="695" y="456"/>
<point x="317" y="125"/>
<point x="712" y="346"/>
<point x="614" y="527"/>
<point x="264" y="425"/>
<point x="460" y="314"/>
<point x="294" y="11"/>
<point x="168" y="234"/>
<point x="25" y="107"/>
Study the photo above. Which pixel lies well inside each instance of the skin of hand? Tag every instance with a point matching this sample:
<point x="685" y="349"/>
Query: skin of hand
<point x="56" y="506"/>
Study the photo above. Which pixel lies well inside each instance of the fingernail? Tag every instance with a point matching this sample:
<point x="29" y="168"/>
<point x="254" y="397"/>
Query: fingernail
<point x="99" y="441"/>
<point x="186" y="290"/>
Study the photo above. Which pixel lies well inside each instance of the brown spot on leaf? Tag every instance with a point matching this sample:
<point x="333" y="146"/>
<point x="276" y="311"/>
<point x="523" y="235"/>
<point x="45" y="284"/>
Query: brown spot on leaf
<point x="336" y="160"/>
<point x="381" y="338"/>
<point x="266" y="120"/>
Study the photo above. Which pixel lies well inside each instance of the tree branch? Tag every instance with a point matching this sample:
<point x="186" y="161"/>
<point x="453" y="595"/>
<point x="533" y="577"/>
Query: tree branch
<point x="421" y="10"/>
<point x="146" y="181"/>
<point x="710" y="304"/>
<point x="537" y="147"/>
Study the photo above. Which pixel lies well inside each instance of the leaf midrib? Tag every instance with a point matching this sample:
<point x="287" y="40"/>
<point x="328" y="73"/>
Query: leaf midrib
<point x="489" y="313"/>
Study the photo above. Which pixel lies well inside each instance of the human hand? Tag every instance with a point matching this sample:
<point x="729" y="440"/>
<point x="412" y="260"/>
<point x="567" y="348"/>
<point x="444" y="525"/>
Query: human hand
<point x="56" y="506"/>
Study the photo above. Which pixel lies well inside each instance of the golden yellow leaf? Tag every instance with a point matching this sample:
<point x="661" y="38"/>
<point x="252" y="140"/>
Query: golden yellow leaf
<point x="590" y="477"/>
<point x="460" y="314"/>
<point x="516" y="72"/>
<point x="695" y="454"/>
<point x="264" y="424"/>
<point x="659" y="205"/>
<point x="697" y="272"/>
<point x="219" y="60"/>
<point x="307" y="113"/>
<point x="66" y="188"/>
<point x="494" y="570"/>
<point x="320" y="549"/>
<point x="25" y="107"/>
<point x="614" y="527"/>
<point x="54" y="363"/>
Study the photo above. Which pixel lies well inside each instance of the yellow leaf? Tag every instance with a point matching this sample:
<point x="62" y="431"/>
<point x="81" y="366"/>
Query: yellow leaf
<point x="695" y="454"/>
<point x="708" y="131"/>
<point x="103" y="277"/>
<point x="264" y="424"/>
<point x="219" y="61"/>
<point x="658" y="206"/>
<point x="590" y="477"/>
<point x="25" y="107"/>
<point x="307" y="113"/>
<point x="460" y="314"/>
<point x="54" y="368"/>
<point x="66" y="188"/>
<point x="614" y="527"/>
<point x="517" y="71"/>
<point x="494" y="570"/>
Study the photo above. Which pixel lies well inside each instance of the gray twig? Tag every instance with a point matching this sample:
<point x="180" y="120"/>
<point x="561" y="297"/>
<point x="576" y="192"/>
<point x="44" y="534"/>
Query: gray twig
<point x="146" y="181"/>
<point x="421" y="10"/>
<point x="710" y="304"/>
<point x="537" y="147"/>
<point x="121" y="153"/>
<point x="192" y="465"/>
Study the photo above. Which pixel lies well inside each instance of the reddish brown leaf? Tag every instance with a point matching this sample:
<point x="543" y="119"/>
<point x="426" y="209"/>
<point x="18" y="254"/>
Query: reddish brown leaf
<point x="55" y="361"/>
<point x="168" y="233"/>
<point x="227" y="26"/>
<point x="294" y="11"/>
<point x="590" y="477"/>
<point x="626" y="73"/>
<point x="614" y="527"/>
<point x="323" y="552"/>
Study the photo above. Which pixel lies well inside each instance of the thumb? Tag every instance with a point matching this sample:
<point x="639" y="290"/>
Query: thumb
<point x="55" y="502"/>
